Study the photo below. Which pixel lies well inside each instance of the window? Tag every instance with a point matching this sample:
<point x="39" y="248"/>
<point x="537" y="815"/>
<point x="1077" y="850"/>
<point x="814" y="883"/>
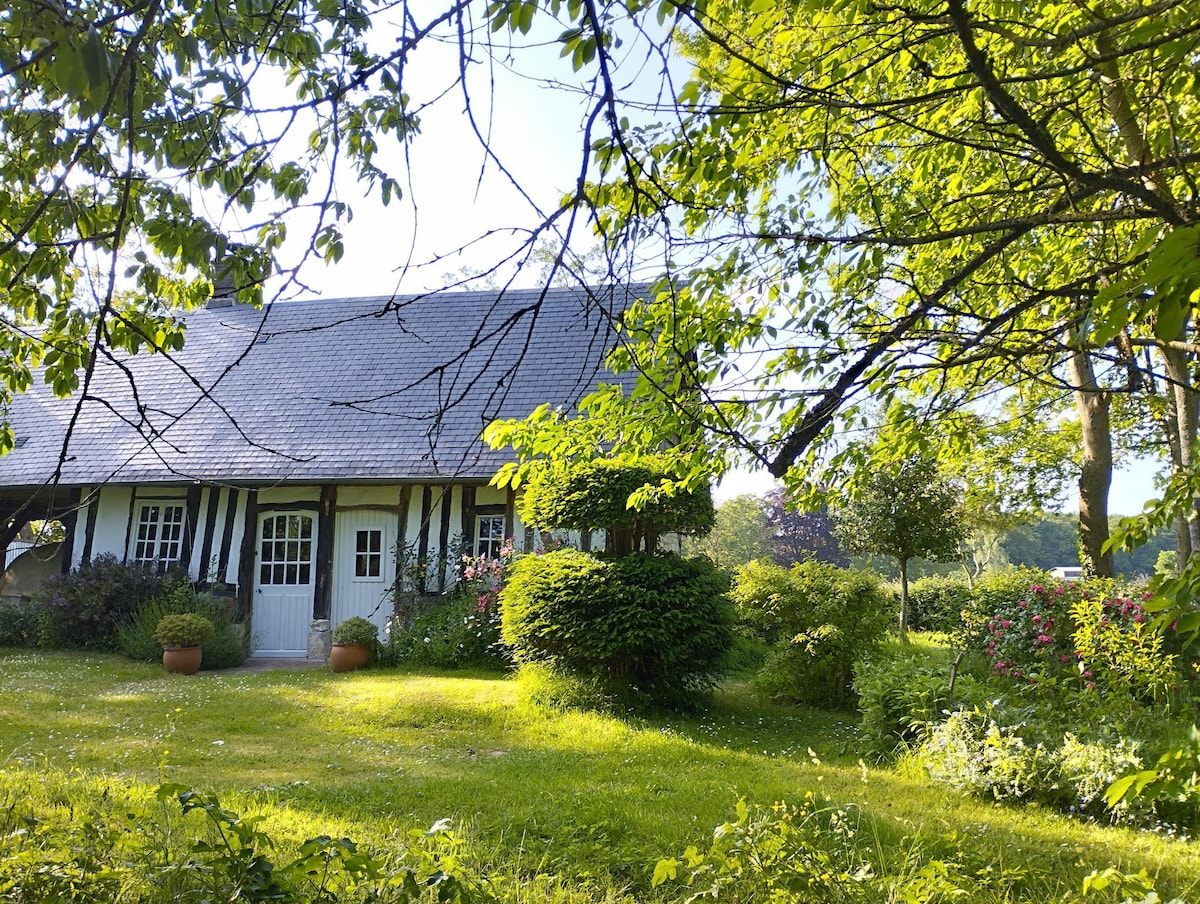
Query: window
<point x="489" y="535"/>
<point x="159" y="537"/>
<point x="286" y="550"/>
<point x="368" y="554"/>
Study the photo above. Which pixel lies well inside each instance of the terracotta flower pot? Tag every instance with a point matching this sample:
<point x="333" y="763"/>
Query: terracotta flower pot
<point x="181" y="660"/>
<point x="346" y="657"/>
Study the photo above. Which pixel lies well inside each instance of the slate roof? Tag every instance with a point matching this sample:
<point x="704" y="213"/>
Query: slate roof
<point x="335" y="390"/>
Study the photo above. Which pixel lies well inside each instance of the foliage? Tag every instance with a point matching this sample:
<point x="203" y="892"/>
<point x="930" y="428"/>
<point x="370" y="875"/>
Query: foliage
<point x="807" y="854"/>
<point x="993" y="592"/>
<point x="1053" y="540"/>
<point x="86" y="607"/>
<point x="461" y="630"/>
<point x="355" y="629"/>
<point x="905" y="513"/>
<point x="1173" y="783"/>
<point x="820" y="618"/>
<point x="600" y="494"/>
<point x="185" y="629"/>
<point x="1021" y="755"/>
<point x="938" y="602"/>
<point x="18" y="622"/>
<point x="902" y="696"/>
<point x="1060" y="632"/>
<point x="228" y="647"/>
<point x="797" y="536"/>
<point x="740" y="533"/>
<point x="648" y="626"/>
<point x="455" y="632"/>
<point x="129" y="127"/>
<point x="122" y="856"/>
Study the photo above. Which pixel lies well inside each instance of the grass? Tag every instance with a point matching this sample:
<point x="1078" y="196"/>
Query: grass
<point x="582" y="800"/>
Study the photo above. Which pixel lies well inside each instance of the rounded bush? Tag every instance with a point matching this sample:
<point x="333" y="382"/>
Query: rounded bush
<point x="937" y="603"/>
<point x="186" y="629"/>
<point x="820" y="619"/>
<point x="592" y="495"/>
<point x="355" y="629"/>
<point x="653" y="627"/>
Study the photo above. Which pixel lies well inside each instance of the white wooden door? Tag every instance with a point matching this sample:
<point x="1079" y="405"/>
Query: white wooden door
<point x="284" y="582"/>
<point x="364" y="566"/>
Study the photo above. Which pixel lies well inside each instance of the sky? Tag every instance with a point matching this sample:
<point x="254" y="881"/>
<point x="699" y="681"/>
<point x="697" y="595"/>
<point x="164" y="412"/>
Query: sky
<point x="456" y="193"/>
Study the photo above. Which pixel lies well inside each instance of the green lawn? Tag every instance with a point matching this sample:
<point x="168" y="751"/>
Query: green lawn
<point x="588" y="800"/>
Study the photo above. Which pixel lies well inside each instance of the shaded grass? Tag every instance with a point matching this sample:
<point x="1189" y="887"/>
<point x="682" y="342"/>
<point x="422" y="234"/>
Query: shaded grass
<point x="582" y="800"/>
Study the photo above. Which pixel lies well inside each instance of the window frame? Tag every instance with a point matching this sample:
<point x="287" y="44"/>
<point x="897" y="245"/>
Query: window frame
<point x="369" y="556"/>
<point x="491" y="544"/>
<point x="150" y="538"/>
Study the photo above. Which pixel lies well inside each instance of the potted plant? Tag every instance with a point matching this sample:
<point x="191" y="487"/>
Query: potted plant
<point x="181" y="636"/>
<point x="352" y="641"/>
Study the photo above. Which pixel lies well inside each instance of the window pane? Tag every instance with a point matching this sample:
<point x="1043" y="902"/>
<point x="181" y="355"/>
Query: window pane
<point x="291" y="574"/>
<point x="305" y="527"/>
<point x="305" y="550"/>
<point x="360" y="566"/>
<point x="264" y="574"/>
<point x="305" y="574"/>
<point x="361" y="540"/>
<point x="277" y="574"/>
<point x="376" y="540"/>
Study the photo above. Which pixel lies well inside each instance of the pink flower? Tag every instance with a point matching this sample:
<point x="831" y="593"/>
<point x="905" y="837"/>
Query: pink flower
<point x="1044" y="638"/>
<point x="1038" y="588"/>
<point x="1023" y="604"/>
<point x="1006" y="623"/>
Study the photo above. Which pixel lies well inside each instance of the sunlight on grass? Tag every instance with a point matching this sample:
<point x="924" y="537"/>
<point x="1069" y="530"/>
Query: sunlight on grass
<point x="588" y="798"/>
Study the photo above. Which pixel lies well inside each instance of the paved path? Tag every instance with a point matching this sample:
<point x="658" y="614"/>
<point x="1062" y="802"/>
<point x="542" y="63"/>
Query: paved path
<point x="269" y="664"/>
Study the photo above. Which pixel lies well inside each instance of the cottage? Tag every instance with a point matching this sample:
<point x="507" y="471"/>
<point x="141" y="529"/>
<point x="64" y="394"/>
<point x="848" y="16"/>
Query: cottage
<point x="287" y="454"/>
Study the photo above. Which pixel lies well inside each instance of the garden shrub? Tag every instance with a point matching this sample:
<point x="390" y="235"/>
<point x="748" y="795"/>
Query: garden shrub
<point x="820" y="618"/>
<point x="1002" y="752"/>
<point x="84" y="608"/>
<point x="992" y="592"/>
<point x="462" y="630"/>
<point x="1068" y="633"/>
<point x="18" y="622"/>
<point x="228" y="647"/>
<point x="653" y="627"/>
<point x="455" y="632"/>
<point x="903" y="695"/>
<point x="937" y="603"/>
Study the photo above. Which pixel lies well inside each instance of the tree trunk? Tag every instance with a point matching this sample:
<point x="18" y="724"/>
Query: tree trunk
<point x="903" y="601"/>
<point x="1095" y="476"/>
<point x="1185" y="416"/>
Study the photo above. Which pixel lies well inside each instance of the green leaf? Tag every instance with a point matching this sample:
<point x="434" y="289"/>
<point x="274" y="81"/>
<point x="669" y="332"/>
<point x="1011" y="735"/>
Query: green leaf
<point x="94" y="57"/>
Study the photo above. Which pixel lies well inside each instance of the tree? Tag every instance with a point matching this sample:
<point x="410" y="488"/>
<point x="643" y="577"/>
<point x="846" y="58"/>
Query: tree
<point x="802" y="536"/>
<point x="906" y="513"/>
<point x="739" y="535"/>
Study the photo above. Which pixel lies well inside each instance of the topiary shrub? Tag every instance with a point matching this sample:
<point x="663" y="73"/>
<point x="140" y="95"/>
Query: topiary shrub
<point x="937" y="603"/>
<point x="85" y="608"/>
<point x="593" y="495"/>
<point x="820" y="619"/>
<point x="646" y="627"/>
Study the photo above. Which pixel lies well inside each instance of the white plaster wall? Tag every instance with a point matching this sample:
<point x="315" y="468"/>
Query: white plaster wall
<point x="359" y="495"/>
<point x="112" y="523"/>
<point x="284" y="495"/>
